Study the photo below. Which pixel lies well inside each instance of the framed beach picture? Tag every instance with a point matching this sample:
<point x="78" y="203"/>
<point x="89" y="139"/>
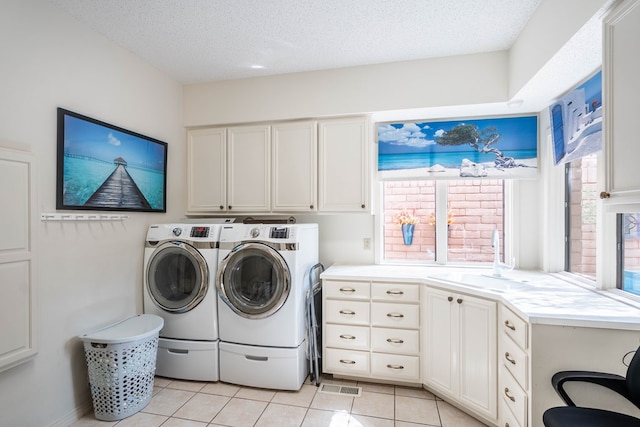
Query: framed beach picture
<point x="497" y="148"/>
<point x="105" y="167"/>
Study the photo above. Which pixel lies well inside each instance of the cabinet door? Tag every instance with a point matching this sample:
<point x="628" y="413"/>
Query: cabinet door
<point x="249" y="176"/>
<point x="440" y="341"/>
<point x="206" y="170"/>
<point x="294" y="162"/>
<point x="621" y="69"/>
<point x="477" y="353"/>
<point x="344" y="165"/>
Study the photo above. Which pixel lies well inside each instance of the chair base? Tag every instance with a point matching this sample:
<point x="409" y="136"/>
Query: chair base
<point x="566" y="416"/>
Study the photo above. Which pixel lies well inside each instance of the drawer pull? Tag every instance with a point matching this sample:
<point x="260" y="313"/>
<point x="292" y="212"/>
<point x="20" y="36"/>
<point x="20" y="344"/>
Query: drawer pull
<point x="395" y="366"/>
<point x="347" y="337"/>
<point x="449" y="299"/>
<point x="347" y="362"/>
<point x="395" y="341"/>
<point x="395" y="315"/>
<point x="394" y="292"/>
<point x="510" y="358"/>
<point x="347" y="312"/>
<point x="506" y="393"/>
<point x="347" y="290"/>
<point x="459" y="300"/>
<point x="509" y="325"/>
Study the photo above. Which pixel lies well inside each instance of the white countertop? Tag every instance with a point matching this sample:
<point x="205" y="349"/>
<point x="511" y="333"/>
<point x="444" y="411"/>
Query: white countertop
<point x="538" y="297"/>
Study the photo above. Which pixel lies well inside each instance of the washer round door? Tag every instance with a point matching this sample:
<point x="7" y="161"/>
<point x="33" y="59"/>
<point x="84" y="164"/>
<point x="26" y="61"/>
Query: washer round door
<point x="254" y="280"/>
<point x="177" y="277"/>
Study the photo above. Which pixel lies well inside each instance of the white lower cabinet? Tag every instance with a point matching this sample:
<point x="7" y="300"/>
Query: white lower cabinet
<point x="513" y="386"/>
<point x="459" y="351"/>
<point x="371" y="330"/>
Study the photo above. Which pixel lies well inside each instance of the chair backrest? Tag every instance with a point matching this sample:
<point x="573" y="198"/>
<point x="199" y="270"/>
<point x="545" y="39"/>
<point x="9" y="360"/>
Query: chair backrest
<point x="633" y="379"/>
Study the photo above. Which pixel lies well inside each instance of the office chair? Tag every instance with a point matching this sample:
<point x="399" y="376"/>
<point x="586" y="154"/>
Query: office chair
<point x="571" y="415"/>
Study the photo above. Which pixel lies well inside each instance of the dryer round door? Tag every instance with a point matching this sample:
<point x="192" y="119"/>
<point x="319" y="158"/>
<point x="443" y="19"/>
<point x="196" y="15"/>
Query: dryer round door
<point x="254" y="280"/>
<point x="177" y="277"/>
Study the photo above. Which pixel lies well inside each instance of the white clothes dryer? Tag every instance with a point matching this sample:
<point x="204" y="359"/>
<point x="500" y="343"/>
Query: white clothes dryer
<point x="262" y="283"/>
<point x="180" y="265"/>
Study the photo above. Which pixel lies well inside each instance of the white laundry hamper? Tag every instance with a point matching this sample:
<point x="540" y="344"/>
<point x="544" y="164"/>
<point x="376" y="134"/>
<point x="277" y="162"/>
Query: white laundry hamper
<point x="121" y="359"/>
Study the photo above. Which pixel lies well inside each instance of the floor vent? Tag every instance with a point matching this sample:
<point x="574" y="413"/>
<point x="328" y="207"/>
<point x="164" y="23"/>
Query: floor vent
<point x="344" y="390"/>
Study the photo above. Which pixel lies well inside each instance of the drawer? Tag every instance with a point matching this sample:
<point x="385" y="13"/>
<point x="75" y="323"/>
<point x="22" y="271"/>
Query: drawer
<point x="349" y="312"/>
<point x="395" y="366"/>
<point x="515" y="360"/>
<point x="346" y="361"/>
<point x="514" y="327"/>
<point x="400" y="341"/>
<point x="346" y="289"/>
<point x="395" y="292"/>
<point x="513" y="396"/>
<point x="507" y="419"/>
<point x="395" y="315"/>
<point x="348" y="337"/>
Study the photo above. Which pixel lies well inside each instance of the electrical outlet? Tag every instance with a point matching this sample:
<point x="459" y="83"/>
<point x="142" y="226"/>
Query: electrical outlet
<point x="367" y="243"/>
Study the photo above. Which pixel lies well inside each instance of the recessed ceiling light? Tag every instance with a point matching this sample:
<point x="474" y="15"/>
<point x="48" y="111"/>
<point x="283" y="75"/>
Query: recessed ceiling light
<point x="257" y="67"/>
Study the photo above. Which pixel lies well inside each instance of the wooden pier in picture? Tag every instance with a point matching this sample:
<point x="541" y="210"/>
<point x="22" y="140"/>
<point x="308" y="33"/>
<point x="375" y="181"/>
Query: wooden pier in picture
<point x="119" y="191"/>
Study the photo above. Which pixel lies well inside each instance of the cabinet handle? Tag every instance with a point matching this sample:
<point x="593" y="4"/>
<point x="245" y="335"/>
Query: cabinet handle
<point x="395" y="366"/>
<point x="347" y="290"/>
<point x="310" y="206"/>
<point x="509" y="358"/>
<point x="221" y="207"/>
<point x="395" y="341"/>
<point x="459" y="300"/>
<point x="604" y="195"/>
<point x="229" y="207"/>
<point x="394" y="292"/>
<point x="347" y="337"/>
<point x="347" y="312"/>
<point x="395" y="315"/>
<point x="506" y="393"/>
<point x="347" y="362"/>
<point x="363" y="206"/>
<point x="506" y="424"/>
<point x="449" y="299"/>
<point x="509" y="325"/>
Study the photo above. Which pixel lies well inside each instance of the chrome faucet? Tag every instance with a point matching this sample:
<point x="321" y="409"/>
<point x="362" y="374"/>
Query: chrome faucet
<point x="495" y="242"/>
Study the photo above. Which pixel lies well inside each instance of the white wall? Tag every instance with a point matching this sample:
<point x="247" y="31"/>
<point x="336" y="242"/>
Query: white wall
<point x="88" y="274"/>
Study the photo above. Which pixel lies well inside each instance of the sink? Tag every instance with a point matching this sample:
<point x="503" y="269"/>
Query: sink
<point x="484" y="281"/>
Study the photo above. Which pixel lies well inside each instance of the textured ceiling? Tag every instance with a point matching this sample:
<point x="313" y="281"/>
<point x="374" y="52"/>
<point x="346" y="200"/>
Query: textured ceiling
<point x="206" y="40"/>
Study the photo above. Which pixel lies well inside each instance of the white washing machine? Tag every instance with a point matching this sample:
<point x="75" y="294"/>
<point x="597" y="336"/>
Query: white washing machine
<point x="262" y="283"/>
<point x="180" y="265"/>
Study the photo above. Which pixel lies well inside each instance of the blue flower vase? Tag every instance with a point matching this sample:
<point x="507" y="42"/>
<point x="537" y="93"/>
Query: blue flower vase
<point x="407" y="233"/>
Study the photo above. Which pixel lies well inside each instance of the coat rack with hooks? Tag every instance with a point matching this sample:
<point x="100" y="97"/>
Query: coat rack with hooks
<point x="81" y="217"/>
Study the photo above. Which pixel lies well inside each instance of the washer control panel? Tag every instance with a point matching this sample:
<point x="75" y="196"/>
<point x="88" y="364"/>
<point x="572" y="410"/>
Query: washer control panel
<point x="200" y="231"/>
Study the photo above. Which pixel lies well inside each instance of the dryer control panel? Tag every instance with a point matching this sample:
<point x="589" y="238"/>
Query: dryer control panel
<point x="279" y="233"/>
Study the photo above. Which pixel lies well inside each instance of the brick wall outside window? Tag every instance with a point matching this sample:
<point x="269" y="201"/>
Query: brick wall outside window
<point x="475" y="210"/>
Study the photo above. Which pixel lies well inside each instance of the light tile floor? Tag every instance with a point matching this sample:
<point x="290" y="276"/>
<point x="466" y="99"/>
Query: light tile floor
<point x="178" y="403"/>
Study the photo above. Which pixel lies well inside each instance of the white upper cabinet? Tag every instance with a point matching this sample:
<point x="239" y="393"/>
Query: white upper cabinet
<point x="294" y="167"/>
<point x="207" y="170"/>
<point x="621" y="71"/>
<point x="344" y="165"/>
<point x="288" y="167"/>
<point x="249" y="175"/>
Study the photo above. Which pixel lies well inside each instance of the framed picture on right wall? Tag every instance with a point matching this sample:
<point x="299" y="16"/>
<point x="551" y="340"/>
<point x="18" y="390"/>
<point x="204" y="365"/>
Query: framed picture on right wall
<point x="576" y="121"/>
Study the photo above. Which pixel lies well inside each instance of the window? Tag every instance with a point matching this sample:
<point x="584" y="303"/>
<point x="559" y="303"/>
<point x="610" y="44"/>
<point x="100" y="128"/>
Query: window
<point x="453" y="220"/>
<point x="580" y="216"/>
<point x="629" y="252"/>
